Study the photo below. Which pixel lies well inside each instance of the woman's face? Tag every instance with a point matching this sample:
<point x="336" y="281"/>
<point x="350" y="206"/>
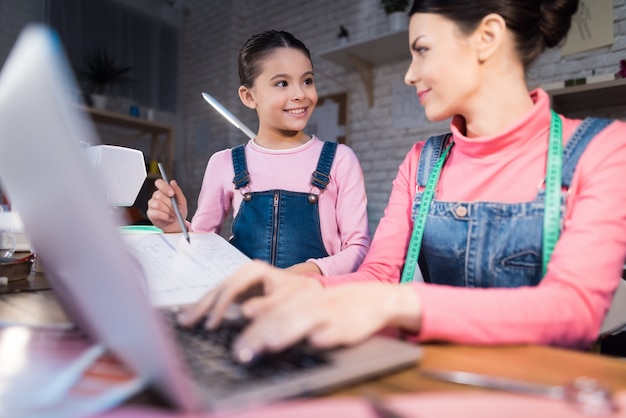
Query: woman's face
<point x="444" y="66"/>
<point x="284" y="93"/>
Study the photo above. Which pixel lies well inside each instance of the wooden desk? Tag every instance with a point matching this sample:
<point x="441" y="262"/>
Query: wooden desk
<point x="532" y="363"/>
<point x="30" y="301"/>
<point x="536" y="364"/>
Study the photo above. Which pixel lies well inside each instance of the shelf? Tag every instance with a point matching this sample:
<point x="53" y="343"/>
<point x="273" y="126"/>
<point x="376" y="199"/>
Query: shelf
<point x="375" y="51"/>
<point x="364" y="55"/>
<point x="161" y="135"/>
<point x="583" y="97"/>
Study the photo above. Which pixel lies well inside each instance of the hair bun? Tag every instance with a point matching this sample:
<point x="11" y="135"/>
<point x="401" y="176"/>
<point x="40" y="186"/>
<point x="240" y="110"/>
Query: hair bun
<point x="556" y="19"/>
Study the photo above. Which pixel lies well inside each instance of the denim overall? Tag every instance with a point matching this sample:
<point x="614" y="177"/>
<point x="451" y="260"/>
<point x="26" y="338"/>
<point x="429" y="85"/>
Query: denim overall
<point x="280" y="226"/>
<point x="489" y="244"/>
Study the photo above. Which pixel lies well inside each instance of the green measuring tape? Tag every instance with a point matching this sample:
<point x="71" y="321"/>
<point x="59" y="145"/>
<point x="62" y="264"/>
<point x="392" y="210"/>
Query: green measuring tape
<point x="420" y="223"/>
<point x="552" y="211"/>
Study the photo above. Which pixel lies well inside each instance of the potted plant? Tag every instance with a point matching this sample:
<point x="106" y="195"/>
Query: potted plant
<point x="101" y="73"/>
<point x="396" y="12"/>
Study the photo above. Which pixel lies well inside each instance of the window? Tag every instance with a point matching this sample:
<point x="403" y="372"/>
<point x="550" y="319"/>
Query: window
<point x="146" y="43"/>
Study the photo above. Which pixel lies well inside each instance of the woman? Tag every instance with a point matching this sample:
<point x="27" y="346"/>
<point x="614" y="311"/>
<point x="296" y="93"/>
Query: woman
<point x="488" y="232"/>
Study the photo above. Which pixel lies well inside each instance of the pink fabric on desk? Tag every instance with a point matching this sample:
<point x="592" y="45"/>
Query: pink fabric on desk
<point x="435" y="405"/>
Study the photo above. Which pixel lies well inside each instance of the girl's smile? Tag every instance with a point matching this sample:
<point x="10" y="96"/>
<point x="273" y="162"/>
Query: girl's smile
<point x="299" y="112"/>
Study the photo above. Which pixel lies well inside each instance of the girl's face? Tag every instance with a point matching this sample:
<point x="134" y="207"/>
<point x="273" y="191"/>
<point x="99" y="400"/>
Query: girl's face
<point x="443" y="68"/>
<point x="284" y="93"/>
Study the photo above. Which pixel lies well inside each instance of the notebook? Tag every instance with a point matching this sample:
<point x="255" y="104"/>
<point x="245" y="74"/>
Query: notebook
<point x="44" y="171"/>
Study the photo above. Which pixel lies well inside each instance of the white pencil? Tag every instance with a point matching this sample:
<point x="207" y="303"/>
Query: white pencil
<point x="228" y="116"/>
<point x="175" y="204"/>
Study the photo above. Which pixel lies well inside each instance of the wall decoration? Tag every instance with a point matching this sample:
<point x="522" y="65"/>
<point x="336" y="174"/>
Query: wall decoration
<point x="343" y="35"/>
<point x="592" y="27"/>
<point x="329" y="120"/>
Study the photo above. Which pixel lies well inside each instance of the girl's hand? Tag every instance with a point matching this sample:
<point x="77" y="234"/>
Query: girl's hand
<point x="262" y="285"/>
<point x="345" y="314"/>
<point x="160" y="210"/>
<point x="305" y="268"/>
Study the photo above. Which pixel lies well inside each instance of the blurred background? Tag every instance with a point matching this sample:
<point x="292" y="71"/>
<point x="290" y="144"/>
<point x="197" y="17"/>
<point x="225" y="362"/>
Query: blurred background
<point x="157" y="56"/>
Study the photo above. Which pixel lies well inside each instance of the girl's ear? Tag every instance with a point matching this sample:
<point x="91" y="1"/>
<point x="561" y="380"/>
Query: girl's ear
<point x="246" y="97"/>
<point x="490" y="34"/>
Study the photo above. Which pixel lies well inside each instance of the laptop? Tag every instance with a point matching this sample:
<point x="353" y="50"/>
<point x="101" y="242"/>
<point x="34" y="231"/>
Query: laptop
<point x="48" y="179"/>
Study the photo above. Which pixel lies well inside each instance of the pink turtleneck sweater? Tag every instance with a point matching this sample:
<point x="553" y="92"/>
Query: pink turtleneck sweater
<point x="568" y="306"/>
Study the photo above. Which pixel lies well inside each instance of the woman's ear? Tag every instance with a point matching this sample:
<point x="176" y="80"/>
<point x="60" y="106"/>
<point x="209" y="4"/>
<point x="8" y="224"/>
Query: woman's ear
<point x="246" y="97"/>
<point x="490" y="34"/>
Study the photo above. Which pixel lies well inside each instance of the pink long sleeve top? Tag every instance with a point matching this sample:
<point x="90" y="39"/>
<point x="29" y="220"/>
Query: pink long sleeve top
<point x="342" y="206"/>
<point x="568" y="306"/>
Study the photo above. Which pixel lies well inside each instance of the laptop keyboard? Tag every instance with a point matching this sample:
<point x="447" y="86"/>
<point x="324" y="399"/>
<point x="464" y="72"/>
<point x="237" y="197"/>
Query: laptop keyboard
<point x="208" y="357"/>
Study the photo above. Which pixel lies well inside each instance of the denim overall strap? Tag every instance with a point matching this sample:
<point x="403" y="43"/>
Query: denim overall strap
<point x="321" y="176"/>
<point x="431" y="151"/>
<point x="577" y="143"/>
<point x="242" y="177"/>
<point x="575" y="146"/>
<point x="419" y="221"/>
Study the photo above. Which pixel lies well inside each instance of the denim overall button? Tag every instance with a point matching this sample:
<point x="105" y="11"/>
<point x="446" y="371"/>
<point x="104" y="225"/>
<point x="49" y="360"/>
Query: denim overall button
<point x="460" y="211"/>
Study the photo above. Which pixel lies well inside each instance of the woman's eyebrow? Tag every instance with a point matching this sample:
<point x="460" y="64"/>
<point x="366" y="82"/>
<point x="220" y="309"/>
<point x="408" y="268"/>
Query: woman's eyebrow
<point x="414" y="43"/>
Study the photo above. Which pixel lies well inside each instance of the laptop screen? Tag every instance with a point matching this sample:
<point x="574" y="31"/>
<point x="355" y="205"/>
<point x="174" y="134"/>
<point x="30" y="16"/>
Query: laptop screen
<point x="46" y="175"/>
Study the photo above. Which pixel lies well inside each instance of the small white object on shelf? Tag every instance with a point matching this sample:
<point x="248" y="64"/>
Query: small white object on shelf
<point x="121" y="171"/>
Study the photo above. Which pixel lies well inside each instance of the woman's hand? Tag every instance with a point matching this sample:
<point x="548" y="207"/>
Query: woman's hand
<point x="328" y="317"/>
<point x="277" y="286"/>
<point x="160" y="210"/>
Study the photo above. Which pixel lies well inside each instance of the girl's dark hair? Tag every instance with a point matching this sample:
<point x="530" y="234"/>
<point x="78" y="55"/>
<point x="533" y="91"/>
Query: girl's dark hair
<point x="259" y="46"/>
<point x="536" y="24"/>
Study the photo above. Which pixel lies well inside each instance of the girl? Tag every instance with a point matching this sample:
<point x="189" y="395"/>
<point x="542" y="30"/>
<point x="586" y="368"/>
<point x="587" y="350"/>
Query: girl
<point x="486" y="215"/>
<point x="297" y="202"/>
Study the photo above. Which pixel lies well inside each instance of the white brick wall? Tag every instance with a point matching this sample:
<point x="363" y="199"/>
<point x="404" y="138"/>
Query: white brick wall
<point x="379" y="145"/>
<point x="214" y="30"/>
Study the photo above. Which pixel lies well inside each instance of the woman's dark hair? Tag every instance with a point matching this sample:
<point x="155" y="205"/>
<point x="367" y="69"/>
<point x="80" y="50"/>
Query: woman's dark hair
<point x="536" y="24"/>
<point x="259" y="46"/>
